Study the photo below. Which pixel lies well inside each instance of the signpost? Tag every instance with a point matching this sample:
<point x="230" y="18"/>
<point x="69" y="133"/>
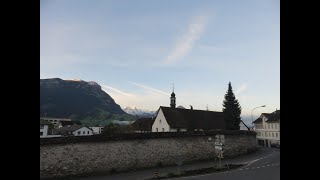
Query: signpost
<point x="218" y="147"/>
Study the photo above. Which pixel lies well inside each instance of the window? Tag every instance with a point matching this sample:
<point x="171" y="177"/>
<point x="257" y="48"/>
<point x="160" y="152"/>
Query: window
<point x="160" y="121"/>
<point x="41" y="133"/>
<point x="268" y="126"/>
<point x="276" y="134"/>
<point x="83" y="132"/>
<point x="272" y="135"/>
<point x="157" y="129"/>
<point x="79" y="132"/>
<point x="162" y="129"/>
<point x="88" y="132"/>
<point x="41" y="126"/>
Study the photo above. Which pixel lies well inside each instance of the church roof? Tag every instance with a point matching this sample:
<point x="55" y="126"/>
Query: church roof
<point x="143" y="124"/>
<point x="196" y="119"/>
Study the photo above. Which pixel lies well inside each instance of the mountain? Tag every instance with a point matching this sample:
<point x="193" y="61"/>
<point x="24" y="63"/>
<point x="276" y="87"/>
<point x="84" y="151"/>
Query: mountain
<point x="79" y="100"/>
<point x="139" y="112"/>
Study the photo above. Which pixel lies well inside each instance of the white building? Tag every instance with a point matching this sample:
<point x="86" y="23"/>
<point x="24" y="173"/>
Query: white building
<point x="267" y="127"/>
<point x="55" y="121"/>
<point x="172" y="119"/>
<point x="44" y="126"/>
<point x="45" y="130"/>
<point x="97" y="129"/>
<point x="74" y="130"/>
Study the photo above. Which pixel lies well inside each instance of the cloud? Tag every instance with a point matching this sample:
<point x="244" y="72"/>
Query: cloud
<point x="150" y="89"/>
<point x="115" y="90"/>
<point x="188" y="39"/>
<point x="241" y="89"/>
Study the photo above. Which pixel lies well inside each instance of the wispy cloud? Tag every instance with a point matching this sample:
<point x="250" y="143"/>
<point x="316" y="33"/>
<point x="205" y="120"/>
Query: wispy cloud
<point x="104" y="87"/>
<point x="241" y="89"/>
<point x="188" y="39"/>
<point x="150" y="88"/>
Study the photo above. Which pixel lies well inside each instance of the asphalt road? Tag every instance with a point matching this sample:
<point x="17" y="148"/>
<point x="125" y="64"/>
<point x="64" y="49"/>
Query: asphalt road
<point x="266" y="168"/>
<point x="264" y="164"/>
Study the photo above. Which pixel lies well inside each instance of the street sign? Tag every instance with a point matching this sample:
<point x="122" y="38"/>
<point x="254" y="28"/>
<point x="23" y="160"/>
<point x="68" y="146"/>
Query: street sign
<point x="218" y="143"/>
<point x="218" y="148"/>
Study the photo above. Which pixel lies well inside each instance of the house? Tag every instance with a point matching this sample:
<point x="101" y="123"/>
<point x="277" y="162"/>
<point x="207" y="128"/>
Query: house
<point x="243" y="126"/>
<point x="55" y="121"/>
<point x="142" y="125"/>
<point x="172" y="119"/>
<point x="267" y="127"/>
<point x="46" y="130"/>
<point x="97" y="129"/>
<point x="74" y="130"/>
<point x="44" y="127"/>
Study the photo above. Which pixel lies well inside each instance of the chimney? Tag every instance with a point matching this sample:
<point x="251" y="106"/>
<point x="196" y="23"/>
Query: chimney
<point x="191" y="107"/>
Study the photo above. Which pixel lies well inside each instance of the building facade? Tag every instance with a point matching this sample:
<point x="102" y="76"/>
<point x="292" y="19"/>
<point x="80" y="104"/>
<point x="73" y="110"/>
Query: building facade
<point x="267" y="127"/>
<point x="172" y="119"/>
<point x="55" y="121"/>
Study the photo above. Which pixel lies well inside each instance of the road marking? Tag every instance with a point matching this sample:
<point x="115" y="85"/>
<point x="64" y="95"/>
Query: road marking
<point x="258" y="167"/>
<point x="263" y="166"/>
<point x="268" y="165"/>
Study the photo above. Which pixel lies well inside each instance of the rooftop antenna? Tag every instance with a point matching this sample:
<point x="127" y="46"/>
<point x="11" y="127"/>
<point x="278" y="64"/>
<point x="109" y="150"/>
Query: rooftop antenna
<point x="207" y="108"/>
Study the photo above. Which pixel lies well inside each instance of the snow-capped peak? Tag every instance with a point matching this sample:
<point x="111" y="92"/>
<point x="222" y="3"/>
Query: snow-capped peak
<point x="135" y="111"/>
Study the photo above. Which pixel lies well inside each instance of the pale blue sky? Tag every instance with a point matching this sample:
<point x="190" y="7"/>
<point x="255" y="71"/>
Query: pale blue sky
<point x="136" y="49"/>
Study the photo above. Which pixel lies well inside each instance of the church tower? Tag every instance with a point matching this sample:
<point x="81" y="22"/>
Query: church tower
<point x="173" y="99"/>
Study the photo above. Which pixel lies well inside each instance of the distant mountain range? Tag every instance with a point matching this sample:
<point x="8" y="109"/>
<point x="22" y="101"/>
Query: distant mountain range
<point x="79" y="100"/>
<point x="139" y="112"/>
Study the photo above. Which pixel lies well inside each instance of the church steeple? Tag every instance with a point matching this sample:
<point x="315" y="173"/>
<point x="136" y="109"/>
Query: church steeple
<point x="173" y="98"/>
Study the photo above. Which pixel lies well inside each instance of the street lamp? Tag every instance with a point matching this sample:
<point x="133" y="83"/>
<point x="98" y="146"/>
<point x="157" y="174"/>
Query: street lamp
<point x="252" y="115"/>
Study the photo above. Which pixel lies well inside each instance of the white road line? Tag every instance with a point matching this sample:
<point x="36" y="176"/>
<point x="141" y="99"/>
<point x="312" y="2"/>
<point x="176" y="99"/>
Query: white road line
<point x="258" y="167"/>
<point x="263" y="166"/>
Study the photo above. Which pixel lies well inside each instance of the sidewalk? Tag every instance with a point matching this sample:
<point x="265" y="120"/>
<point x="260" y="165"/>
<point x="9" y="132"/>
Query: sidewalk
<point x="148" y="173"/>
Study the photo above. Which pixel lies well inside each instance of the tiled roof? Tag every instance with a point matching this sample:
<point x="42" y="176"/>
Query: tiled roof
<point x="196" y="119"/>
<point x="274" y="117"/>
<point x="259" y="120"/>
<point x="69" y="128"/>
<point x="143" y="124"/>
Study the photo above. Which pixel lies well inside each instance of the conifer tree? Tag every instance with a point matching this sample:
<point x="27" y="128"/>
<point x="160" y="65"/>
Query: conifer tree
<point x="232" y="110"/>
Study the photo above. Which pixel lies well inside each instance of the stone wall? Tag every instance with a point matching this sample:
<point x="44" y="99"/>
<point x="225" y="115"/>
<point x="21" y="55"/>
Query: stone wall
<point x="106" y="156"/>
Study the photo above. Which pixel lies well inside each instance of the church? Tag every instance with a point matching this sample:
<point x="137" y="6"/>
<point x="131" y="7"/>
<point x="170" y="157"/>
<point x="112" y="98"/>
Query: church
<point x="172" y="119"/>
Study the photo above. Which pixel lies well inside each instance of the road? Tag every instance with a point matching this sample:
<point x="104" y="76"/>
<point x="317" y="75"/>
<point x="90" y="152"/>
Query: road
<point x="264" y="164"/>
<point x="265" y="168"/>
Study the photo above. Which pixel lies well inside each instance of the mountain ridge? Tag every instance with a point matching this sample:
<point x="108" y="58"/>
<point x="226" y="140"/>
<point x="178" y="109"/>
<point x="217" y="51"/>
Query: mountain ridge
<point x="79" y="100"/>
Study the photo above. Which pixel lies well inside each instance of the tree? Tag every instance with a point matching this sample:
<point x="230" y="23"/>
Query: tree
<point x="232" y="110"/>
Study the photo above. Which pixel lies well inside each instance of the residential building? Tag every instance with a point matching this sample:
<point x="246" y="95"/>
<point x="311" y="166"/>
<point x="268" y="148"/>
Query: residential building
<point x="74" y="130"/>
<point x="55" y="121"/>
<point x="97" y="129"/>
<point x="44" y="126"/>
<point x="267" y="127"/>
<point x="172" y="119"/>
<point x="142" y="125"/>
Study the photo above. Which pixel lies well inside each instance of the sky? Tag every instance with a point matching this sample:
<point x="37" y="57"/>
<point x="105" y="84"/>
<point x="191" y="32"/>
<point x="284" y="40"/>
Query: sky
<point x="136" y="50"/>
